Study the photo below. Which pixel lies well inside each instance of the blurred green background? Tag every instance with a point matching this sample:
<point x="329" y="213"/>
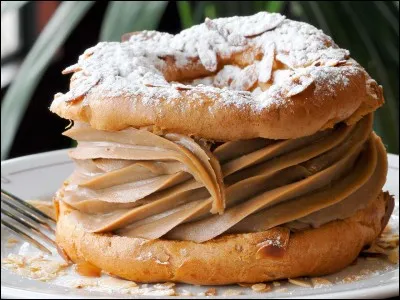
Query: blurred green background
<point x="369" y="29"/>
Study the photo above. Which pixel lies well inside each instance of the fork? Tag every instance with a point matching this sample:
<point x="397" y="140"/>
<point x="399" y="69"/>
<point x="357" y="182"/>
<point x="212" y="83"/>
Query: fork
<point x="31" y="223"/>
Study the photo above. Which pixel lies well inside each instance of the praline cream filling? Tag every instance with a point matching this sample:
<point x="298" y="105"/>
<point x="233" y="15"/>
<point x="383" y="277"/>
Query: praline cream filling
<point x="139" y="184"/>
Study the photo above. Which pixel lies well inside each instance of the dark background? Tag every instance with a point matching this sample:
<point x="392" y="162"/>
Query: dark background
<point x="40" y="130"/>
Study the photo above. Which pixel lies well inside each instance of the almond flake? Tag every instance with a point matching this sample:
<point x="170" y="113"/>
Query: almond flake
<point x="168" y="284"/>
<point x="351" y="278"/>
<point x="36" y="267"/>
<point x="266" y="64"/>
<point x="211" y="292"/>
<point x="246" y="285"/>
<point x="299" y="282"/>
<point x="261" y="287"/>
<point x="276" y="283"/>
<point x="393" y="256"/>
<point x="365" y="272"/>
<point x="320" y="282"/>
<point x="15" y="259"/>
<point x="11" y="242"/>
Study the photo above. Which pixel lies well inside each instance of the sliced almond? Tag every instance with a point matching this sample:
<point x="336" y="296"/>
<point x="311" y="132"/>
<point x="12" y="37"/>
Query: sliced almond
<point x="318" y="282"/>
<point x="261" y="287"/>
<point x="393" y="256"/>
<point x="351" y="278"/>
<point x="276" y="283"/>
<point x="300" y="282"/>
<point x="15" y="259"/>
<point x="246" y="285"/>
<point x="11" y="242"/>
<point x="365" y="272"/>
<point x="168" y="284"/>
<point x="211" y="292"/>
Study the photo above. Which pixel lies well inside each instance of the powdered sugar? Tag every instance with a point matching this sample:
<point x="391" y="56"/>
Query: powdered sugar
<point x="146" y="66"/>
<point x="265" y="66"/>
<point x="272" y="242"/>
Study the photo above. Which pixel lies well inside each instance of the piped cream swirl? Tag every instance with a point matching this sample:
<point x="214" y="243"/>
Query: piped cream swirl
<point x="139" y="184"/>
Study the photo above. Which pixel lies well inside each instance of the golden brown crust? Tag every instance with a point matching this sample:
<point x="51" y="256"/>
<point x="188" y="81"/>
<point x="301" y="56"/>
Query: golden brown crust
<point x="257" y="84"/>
<point x="231" y="258"/>
<point x="300" y="117"/>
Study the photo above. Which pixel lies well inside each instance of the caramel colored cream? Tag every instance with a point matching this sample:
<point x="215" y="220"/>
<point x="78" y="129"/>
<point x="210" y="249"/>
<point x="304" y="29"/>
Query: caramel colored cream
<point x="139" y="184"/>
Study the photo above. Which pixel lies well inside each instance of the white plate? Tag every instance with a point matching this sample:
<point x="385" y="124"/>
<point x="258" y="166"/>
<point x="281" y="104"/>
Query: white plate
<point x="39" y="176"/>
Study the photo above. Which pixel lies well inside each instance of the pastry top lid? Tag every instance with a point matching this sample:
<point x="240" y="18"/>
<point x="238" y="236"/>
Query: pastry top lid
<point x="226" y="79"/>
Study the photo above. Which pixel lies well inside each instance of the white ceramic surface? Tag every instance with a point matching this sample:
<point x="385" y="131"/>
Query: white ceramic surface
<point x="39" y="176"/>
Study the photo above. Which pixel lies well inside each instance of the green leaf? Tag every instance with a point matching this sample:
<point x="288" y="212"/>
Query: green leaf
<point x="274" y="6"/>
<point x="394" y="22"/>
<point x="198" y="15"/>
<point x="151" y="15"/>
<point x="210" y="10"/>
<point x="224" y="10"/>
<point x="299" y="12"/>
<point x="246" y="8"/>
<point x="19" y="93"/>
<point x="127" y="16"/>
<point x="387" y="115"/>
<point x="11" y="5"/>
<point x="259" y="5"/>
<point x="319" y="16"/>
<point x="185" y="13"/>
<point x="374" y="47"/>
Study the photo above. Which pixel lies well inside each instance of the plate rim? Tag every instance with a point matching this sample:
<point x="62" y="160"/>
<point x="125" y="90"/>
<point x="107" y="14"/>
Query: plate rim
<point x="382" y="291"/>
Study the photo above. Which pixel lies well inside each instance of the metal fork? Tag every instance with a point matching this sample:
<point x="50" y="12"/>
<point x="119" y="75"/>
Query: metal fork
<point x="31" y="223"/>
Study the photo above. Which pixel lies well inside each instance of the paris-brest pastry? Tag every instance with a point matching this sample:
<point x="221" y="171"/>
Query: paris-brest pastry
<point x="239" y="150"/>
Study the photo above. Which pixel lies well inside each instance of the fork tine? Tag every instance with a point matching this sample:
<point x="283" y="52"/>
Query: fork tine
<point x="29" y="226"/>
<point x="26" y="204"/>
<point x="5" y="198"/>
<point x="25" y="236"/>
<point x="28" y="215"/>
